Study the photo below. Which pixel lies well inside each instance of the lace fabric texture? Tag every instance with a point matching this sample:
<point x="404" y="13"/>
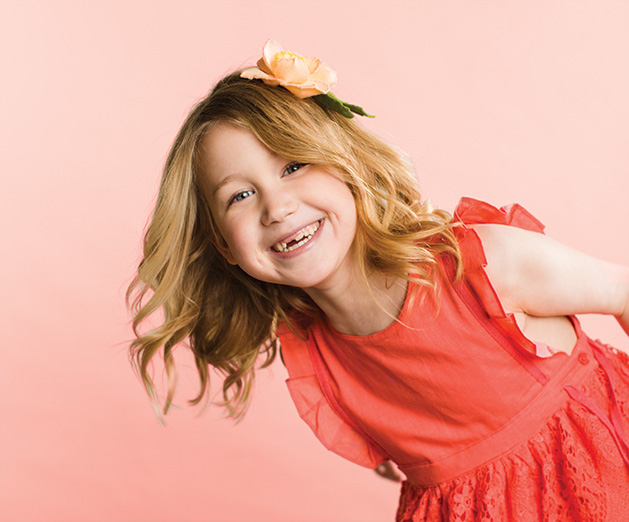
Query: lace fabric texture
<point x="571" y="470"/>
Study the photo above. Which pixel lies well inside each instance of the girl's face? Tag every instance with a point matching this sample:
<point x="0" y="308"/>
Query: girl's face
<point x="281" y="221"/>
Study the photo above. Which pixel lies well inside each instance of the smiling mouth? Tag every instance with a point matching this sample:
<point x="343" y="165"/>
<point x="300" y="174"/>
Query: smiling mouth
<point x="299" y="239"/>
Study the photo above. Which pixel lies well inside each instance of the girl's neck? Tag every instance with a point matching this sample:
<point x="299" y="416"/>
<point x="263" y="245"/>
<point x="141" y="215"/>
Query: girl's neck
<point x="352" y="309"/>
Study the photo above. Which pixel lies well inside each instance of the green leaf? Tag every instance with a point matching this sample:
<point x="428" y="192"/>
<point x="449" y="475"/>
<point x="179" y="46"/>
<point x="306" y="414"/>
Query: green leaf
<point x="329" y="101"/>
<point x="357" y="109"/>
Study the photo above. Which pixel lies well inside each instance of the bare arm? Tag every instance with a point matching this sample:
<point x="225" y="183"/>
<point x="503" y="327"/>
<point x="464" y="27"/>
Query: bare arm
<point x="541" y="277"/>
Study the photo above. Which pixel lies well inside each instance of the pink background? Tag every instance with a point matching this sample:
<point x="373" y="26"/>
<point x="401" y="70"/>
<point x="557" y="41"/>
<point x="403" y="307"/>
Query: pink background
<point x="503" y="101"/>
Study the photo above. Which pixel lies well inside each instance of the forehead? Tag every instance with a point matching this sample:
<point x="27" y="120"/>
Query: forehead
<point x="228" y="150"/>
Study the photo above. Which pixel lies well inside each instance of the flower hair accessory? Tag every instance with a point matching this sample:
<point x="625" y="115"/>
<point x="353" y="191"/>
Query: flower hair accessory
<point x="304" y="76"/>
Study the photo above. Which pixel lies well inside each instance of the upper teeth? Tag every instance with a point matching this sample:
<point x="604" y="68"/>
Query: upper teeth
<point x="301" y="238"/>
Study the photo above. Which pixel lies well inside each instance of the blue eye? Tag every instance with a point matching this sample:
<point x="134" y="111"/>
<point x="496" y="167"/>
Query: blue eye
<point x="292" y="167"/>
<point x="240" y="196"/>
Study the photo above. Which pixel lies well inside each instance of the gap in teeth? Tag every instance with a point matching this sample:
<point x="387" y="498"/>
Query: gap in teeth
<point x="302" y="237"/>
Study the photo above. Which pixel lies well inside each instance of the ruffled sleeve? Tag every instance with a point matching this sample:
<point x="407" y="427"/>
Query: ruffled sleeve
<point x="471" y="211"/>
<point x="333" y="432"/>
<point x="474" y="212"/>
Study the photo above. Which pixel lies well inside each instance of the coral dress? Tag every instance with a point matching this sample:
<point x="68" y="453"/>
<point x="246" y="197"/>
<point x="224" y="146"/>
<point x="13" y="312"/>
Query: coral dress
<point x="485" y="424"/>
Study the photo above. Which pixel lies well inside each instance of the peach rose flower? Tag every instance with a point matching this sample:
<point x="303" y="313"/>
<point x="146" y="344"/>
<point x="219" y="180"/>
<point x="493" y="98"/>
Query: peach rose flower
<point x="303" y="76"/>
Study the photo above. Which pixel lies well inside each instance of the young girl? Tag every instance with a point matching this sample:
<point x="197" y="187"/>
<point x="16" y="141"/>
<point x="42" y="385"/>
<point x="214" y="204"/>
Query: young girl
<point x="444" y="344"/>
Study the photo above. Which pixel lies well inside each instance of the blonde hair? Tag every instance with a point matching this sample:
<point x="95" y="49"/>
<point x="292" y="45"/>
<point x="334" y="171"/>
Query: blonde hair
<point x="230" y="318"/>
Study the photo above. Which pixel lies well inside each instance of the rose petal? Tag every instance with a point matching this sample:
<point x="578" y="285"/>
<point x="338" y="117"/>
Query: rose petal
<point x="324" y="75"/>
<point x="271" y="81"/>
<point x="270" y="50"/>
<point x="302" y="93"/>
<point x="253" y="73"/>
<point x="323" y="88"/>
<point x="312" y="62"/>
<point x="291" y="69"/>
<point x="263" y="67"/>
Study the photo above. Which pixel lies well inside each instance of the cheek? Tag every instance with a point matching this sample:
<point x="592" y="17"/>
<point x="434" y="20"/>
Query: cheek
<point x="234" y="236"/>
<point x="241" y="235"/>
<point x="346" y="208"/>
<point x="351" y="220"/>
<point x="348" y="205"/>
<point x="332" y="184"/>
<point x="218" y="230"/>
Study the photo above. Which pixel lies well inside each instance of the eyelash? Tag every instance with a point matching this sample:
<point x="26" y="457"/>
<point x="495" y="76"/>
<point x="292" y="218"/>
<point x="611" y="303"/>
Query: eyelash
<point x="236" y="197"/>
<point x="294" y="164"/>
<point x="287" y="170"/>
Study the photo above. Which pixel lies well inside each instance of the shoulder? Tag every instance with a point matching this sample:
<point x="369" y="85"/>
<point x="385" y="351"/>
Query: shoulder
<point x="507" y="246"/>
<point x="504" y="247"/>
<point x="499" y="239"/>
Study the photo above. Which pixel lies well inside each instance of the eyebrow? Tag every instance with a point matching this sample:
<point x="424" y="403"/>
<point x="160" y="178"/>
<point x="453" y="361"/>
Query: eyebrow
<point x="224" y="182"/>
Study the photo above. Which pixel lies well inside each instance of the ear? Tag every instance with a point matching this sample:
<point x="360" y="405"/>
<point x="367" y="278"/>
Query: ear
<point x="223" y="249"/>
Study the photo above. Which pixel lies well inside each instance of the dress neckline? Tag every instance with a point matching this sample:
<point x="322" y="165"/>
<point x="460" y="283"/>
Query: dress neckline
<point x="324" y="322"/>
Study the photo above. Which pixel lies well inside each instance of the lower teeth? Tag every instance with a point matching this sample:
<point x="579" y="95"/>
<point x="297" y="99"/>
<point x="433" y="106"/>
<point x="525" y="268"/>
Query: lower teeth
<point x="298" y="244"/>
<point x="285" y="248"/>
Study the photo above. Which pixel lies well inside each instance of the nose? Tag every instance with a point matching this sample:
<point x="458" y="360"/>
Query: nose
<point x="277" y="206"/>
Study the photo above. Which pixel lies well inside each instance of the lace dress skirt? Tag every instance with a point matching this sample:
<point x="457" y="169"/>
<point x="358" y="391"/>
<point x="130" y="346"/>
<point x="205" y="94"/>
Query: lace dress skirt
<point x="575" y="468"/>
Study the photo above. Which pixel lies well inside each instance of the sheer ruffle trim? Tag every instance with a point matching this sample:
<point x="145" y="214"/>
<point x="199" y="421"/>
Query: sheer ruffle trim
<point x="474" y="212"/>
<point x="333" y="432"/>
<point x="570" y="471"/>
